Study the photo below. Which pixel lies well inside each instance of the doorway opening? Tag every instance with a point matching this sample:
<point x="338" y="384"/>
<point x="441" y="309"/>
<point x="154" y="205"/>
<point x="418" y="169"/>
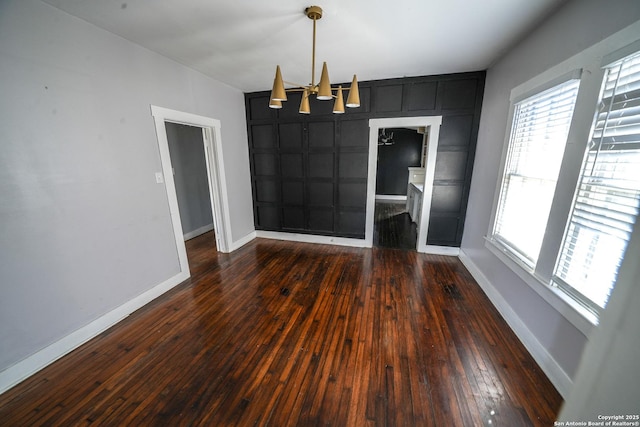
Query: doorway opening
<point x="400" y="156"/>
<point x="209" y="130"/>
<point x="410" y="206"/>
<point x="189" y="170"/>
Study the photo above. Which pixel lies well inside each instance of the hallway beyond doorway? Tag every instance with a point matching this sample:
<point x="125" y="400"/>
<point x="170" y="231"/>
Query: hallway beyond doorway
<point x="393" y="227"/>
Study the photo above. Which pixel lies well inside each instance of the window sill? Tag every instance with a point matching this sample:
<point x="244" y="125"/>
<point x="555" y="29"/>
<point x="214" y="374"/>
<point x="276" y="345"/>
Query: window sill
<point x="571" y="310"/>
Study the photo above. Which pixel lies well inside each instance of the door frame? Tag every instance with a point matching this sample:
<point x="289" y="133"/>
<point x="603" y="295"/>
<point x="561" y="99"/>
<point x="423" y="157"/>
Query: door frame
<point x="432" y="124"/>
<point x="218" y="194"/>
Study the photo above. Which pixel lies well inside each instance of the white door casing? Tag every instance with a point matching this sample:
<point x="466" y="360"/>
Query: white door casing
<point x="432" y="124"/>
<point x="215" y="172"/>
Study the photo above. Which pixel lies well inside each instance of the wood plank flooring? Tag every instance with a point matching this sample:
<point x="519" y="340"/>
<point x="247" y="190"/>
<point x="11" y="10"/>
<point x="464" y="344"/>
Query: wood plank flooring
<point x="392" y="226"/>
<point x="293" y="334"/>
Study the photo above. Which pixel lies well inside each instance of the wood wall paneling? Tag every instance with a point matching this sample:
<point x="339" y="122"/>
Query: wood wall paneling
<point x="447" y="199"/>
<point x="265" y="164"/>
<point x="321" y="220"/>
<point x="267" y="191"/>
<point x="316" y="164"/>
<point x="459" y="94"/>
<point x="293" y="218"/>
<point x="450" y="165"/>
<point x="290" y="136"/>
<point x="442" y="229"/>
<point x="420" y="96"/>
<point x="320" y="193"/>
<point x="263" y="136"/>
<point x="267" y="217"/>
<point x="350" y="223"/>
<point x="321" y="135"/>
<point x="321" y="165"/>
<point x="353" y="164"/>
<point x="388" y="98"/>
<point x="293" y="193"/>
<point x="352" y="194"/>
<point x="258" y="108"/>
<point x="456" y="130"/>
<point x="354" y="133"/>
<point x="291" y="165"/>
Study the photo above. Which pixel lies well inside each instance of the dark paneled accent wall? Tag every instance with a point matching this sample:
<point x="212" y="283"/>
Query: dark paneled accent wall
<point x="395" y="159"/>
<point x="309" y="172"/>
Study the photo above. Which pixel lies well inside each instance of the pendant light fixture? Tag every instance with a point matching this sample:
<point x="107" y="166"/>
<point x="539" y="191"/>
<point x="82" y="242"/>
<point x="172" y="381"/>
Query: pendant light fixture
<point x="322" y="90"/>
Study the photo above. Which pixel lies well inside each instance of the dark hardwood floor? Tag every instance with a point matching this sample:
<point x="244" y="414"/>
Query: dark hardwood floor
<point x="283" y="334"/>
<point x="392" y="226"/>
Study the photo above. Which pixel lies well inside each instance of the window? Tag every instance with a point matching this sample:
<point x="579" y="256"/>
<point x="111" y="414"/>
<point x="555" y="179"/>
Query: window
<point x="536" y="146"/>
<point x="605" y="205"/>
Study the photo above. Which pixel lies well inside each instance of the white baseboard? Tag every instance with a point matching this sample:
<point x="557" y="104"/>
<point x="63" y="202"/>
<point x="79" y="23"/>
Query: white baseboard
<point x="312" y="238"/>
<point x="343" y="241"/>
<point x="198" y="231"/>
<point x="441" y="250"/>
<point x="32" y="364"/>
<point x="391" y="198"/>
<point x="242" y="241"/>
<point x="549" y="365"/>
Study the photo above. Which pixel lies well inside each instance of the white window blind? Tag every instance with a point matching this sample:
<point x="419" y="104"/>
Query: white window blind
<point x="605" y="206"/>
<point x="536" y="147"/>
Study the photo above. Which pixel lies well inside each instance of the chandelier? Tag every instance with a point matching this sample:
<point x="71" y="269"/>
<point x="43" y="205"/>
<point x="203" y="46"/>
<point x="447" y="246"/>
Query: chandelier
<point x="322" y="90"/>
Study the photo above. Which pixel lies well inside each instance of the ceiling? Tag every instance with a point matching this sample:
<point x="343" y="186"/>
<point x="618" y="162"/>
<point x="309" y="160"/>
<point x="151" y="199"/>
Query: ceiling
<point x="240" y="42"/>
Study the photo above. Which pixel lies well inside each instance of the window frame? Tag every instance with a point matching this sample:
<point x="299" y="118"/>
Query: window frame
<point x="516" y="100"/>
<point x="538" y="272"/>
<point x="610" y="61"/>
<point x="538" y="277"/>
<point x="591" y="64"/>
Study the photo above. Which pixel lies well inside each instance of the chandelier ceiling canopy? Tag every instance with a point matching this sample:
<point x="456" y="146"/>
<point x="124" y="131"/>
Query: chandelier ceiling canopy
<point x="322" y="90"/>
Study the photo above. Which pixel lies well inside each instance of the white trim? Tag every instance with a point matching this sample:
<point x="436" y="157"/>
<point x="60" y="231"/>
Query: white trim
<point x="623" y="52"/>
<point x="342" y="241"/>
<point x="170" y="188"/>
<point x="548" y="364"/>
<point x="577" y="315"/>
<point x="37" y="361"/>
<point x="391" y="198"/>
<point x="242" y="241"/>
<point x="198" y="231"/>
<point x="431" y="139"/>
<point x="215" y="172"/>
<point x="527" y="90"/>
<point x="217" y="185"/>
<point x="441" y="250"/>
<point x="538" y="277"/>
<point x="432" y="122"/>
<point x="313" y="238"/>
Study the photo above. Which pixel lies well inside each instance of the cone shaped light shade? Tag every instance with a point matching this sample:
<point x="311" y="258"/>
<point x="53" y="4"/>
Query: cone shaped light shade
<point x="324" y="87"/>
<point x="278" y="93"/>
<point x="353" y="100"/>
<point x="338" y="106"/>
<point x="274" y="103"/>
<point x="304" y="103"/>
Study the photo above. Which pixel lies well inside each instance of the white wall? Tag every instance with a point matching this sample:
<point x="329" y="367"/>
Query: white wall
<point x="84" y="228"/>
<point x="554" y="45"/>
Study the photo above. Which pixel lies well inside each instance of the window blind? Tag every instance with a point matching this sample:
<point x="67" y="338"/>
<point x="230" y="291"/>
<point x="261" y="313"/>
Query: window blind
<point x="605" y="206"/>
<point x="536" y="147"/>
